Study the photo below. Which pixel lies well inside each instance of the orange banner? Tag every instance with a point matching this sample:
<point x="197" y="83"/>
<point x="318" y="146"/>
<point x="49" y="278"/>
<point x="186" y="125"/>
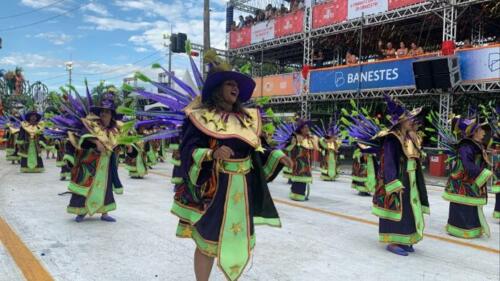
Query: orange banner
<point x="277" y="85"/>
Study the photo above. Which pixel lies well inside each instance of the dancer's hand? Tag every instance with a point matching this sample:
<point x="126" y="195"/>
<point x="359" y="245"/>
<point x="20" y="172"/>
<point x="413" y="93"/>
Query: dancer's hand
<point x="100" y="146"/>
<point x="287" y="161"/>
<point x="223" y="153"/>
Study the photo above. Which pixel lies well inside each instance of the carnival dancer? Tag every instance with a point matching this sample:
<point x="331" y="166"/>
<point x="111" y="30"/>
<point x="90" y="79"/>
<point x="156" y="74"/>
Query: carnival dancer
<point x="303" y="144"/>
<point x="136" y="158"/>
<point x="11" y="125"/>
<point x="400" y="198"/>
<point x="30" y="137"/>
<point x="95" y="134"/>
<point x="225" y="166"/>
<point x="466" y="188"/>
<point x="330" y="142"/>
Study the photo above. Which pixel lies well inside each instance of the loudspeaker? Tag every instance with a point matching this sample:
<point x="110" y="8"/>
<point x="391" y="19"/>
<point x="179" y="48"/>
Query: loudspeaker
<point x="437" y="73"/>
<point x="181" y="42"/>
<point x="229" y="17"/>
<point x="173" y="42"/>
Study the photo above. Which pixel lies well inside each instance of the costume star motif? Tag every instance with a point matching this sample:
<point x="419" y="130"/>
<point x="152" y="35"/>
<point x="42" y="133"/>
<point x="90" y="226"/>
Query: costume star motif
<point x="220" y="126"/>
<point x="237" y="197"/>
<point x="235" y="269"/>
<point x="260" y="149"/>
<point x="187" y="232"/>
<point x="236" y="228"/>
<point x="208" y="116"/>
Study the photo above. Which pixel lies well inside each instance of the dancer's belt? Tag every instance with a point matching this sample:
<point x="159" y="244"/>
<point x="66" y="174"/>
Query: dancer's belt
<point x="236" y="166"/>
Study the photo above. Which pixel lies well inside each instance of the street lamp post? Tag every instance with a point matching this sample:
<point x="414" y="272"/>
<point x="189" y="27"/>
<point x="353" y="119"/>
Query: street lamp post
<point x="69" y="68"/>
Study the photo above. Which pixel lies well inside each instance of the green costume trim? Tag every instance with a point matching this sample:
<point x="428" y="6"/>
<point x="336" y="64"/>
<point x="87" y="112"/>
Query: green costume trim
<point x="416" y="205"/>
<point x="371" y="181"/>
<point x="301" y="179"/>
<point x="393" y="238"/>
<point x="483" y="177"/>
<point x="13" y="158"/>
<point x="174" y="146"/>
<point x="34" y="170"/>
<point x="386" y="214"/>
<point x="60" y="164"/>
<point x="69" y="158"/>
<point x="394" y="186"/>
<point x="464" y="233"/>
<point x="176" y="180"/>
<point x="495" y="188"/>
<point x="83" y="211"/>
<point x="464" y="199"/>
<point x="118" y="190"/>
<point x="275" y="222"/>
<point x="199" y="155"/>
<point x="360" y="179"/>
<point x="32" y="155"/>
<point x="152" y="158"/>
<point x="234" y="241"/>
<point x="272" y="162"/>
<point x="175" y="162"/>
<point x="331" y="172"/>
<point x="426" y="210"/>
<point x="297" y="197"/>
<point x="95" y="196"/>
<point x="185" y="213"/>
<point x="78" y="189"/>
<point x="496" y="214"/>
<point x="83" y="138"/>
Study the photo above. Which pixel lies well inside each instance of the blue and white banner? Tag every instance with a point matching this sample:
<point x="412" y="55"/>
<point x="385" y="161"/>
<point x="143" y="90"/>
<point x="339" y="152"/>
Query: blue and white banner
<point x="378" y="75"/>
<point x="480" y="64"/>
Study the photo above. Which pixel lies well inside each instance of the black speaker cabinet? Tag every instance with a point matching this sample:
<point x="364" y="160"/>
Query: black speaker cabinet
<point x="436" y="73"/>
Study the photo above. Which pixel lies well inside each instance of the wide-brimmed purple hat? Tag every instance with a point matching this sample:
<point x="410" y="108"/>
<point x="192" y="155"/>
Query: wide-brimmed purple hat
<point x="107" y="102"/>
<point x="246" y="84"/>
<point x="467" y="127"/>
<point x="30" y="113"/>
<point x="301" y="123"/>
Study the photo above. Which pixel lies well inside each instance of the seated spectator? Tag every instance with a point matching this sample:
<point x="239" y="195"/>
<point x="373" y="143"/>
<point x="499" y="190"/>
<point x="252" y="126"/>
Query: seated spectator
<point x="390" y="52"/>
<point x="467" y="44"/>
<point x="283" y="9"/>
<point x="274" y="13"/>
<point x="380" y="54"/>
<point x="415" y="50"/>
<point x="350" y="58"/>
<point x="233" y="26"/>
<point x="402" y="51"/>
<point x="318" y="59"/>
<point x="241" y="22"/>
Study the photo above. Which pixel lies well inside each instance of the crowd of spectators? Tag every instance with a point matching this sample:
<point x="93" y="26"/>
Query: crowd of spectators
<point x="268" y="13"/>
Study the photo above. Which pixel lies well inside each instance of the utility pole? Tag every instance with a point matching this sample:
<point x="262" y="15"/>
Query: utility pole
<point x="69" y="68"/>
<point x="206" y="30"/>
<point x="170" y="58"/>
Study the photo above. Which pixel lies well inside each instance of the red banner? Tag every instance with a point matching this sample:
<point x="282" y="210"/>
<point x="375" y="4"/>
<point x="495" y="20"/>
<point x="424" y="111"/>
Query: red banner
<point x="240" y="38"/>
<point x="289" y="24"/>
<point x="396" y="4"/>
<point x="329" y="13"/>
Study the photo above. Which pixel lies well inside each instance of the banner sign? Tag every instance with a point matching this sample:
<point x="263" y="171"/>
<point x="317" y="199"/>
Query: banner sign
<point x="278" y="85"/>
<point x="480" y="64"/>
<point x="239" y="38"/>
<point x="357" y="8"/>
<point x="378" y="75"/>
<point x="396" y="4"/>
<point x="329" y="13"/>
<point x="263" y="31"/>
<point x="289" y="24"/>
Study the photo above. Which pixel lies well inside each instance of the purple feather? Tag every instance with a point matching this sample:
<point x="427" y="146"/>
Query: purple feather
<point x="196" y="73"/>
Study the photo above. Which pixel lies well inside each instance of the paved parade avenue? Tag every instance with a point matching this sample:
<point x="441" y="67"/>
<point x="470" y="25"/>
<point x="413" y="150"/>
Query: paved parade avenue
<point x="333" y="236"/>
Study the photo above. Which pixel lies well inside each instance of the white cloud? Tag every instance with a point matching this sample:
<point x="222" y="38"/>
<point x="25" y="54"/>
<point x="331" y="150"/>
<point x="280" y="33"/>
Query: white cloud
<point x="140" y="49"/>
<point x="118" y="45"/>
<point x="58" y="7"/>
<point x="96" y="8"/>
<point x="111" y="24"/>
<point x="56" y="38"/>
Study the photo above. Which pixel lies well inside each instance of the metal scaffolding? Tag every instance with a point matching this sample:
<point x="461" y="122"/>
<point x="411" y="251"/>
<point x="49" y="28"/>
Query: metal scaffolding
<point x="447" y="10"/>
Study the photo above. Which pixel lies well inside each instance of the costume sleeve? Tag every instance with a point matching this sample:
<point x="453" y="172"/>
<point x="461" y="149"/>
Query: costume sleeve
<point x="272" y="159"/>
<point x="391" y="164"/>
<point x="466" y="153"/>
<point x="195" y="154"/>
<point x="69" y="153"/>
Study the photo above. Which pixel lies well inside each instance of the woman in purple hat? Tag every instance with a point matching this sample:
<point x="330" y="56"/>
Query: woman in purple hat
<point x="225" y="165"/>
<point x="466" y="188"/>
<point x="30" y="135"/>
<point x="302" y="144"/>
<point x="94" y="176"/>
<point x="400" y="198"/>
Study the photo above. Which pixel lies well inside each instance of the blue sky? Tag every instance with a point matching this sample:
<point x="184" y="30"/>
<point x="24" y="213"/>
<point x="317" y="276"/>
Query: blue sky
<point x="106" y="39"/>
